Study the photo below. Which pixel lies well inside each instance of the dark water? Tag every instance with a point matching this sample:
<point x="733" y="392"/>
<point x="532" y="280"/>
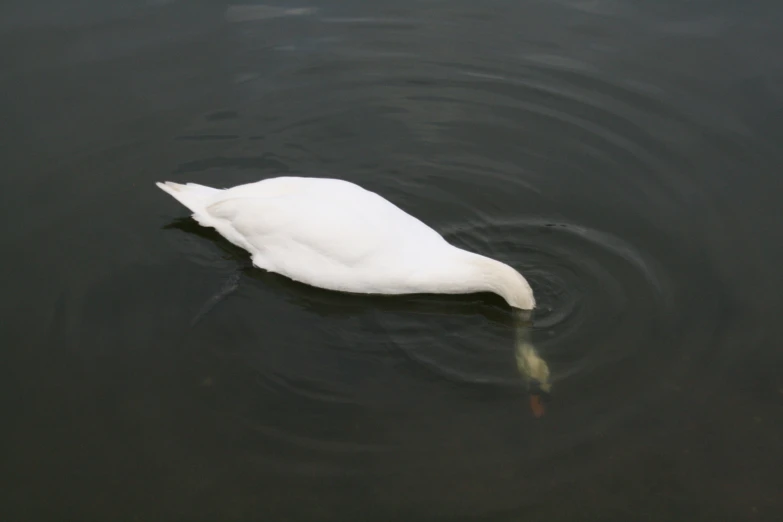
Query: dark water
<point x="625" y="155"/>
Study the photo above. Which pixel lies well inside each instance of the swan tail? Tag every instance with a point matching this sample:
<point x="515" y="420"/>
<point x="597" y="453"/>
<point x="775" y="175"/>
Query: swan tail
<point x="194" y="196"/>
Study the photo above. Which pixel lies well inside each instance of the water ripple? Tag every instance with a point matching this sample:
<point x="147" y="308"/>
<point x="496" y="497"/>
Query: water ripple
<point x="596" y="185"/>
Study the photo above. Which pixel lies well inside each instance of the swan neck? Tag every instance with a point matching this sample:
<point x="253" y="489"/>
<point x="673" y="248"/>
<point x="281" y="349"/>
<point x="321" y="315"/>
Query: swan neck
<point x="502" y="279"/>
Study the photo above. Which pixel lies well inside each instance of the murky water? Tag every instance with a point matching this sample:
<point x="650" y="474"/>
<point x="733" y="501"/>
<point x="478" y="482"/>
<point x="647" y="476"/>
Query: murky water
<point x="625" y="156"/>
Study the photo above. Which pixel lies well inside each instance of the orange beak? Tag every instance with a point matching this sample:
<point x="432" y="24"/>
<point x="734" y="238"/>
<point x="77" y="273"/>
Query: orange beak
<point x="537" y="405"/>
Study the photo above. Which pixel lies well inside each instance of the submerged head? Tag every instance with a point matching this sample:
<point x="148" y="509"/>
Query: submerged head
<point x="534" y="369"/>
<point x="535" y="372"/>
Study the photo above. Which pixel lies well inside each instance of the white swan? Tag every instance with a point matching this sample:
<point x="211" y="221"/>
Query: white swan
<point x="336" y="235"/>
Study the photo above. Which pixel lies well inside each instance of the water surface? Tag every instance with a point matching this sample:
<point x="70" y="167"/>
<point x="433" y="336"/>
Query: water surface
<point x="624" y="155"/>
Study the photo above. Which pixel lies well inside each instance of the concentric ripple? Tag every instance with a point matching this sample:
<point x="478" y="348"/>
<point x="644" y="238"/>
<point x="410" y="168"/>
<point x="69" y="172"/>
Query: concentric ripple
<point x="593" y="176"/>
<point x="625" y="156"/>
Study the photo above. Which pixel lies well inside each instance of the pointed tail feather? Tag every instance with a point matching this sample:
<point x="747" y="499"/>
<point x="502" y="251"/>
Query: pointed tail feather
<point x="193" y="196"/>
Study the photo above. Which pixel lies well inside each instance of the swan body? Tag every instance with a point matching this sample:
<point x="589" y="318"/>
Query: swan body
<point x="336" y="235"/>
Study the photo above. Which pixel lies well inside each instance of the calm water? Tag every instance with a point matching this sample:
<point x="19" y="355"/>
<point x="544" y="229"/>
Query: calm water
<point x="625" y="155"/>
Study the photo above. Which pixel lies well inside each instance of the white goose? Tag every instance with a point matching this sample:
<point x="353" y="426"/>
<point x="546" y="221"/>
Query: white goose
<point x="336" y="235"/>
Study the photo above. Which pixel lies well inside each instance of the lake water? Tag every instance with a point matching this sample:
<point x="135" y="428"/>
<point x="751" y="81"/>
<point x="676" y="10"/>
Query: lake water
<point x="624" y="155"/>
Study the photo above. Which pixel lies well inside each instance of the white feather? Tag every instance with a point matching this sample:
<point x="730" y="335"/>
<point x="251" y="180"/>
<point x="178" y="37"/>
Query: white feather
<point x="336" y="235"/>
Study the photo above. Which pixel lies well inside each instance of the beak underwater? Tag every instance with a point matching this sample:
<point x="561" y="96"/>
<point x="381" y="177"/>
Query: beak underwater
<point x="537" y="405"/>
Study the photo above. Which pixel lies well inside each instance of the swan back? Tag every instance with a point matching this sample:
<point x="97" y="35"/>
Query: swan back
<point x="337" y="235"/>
